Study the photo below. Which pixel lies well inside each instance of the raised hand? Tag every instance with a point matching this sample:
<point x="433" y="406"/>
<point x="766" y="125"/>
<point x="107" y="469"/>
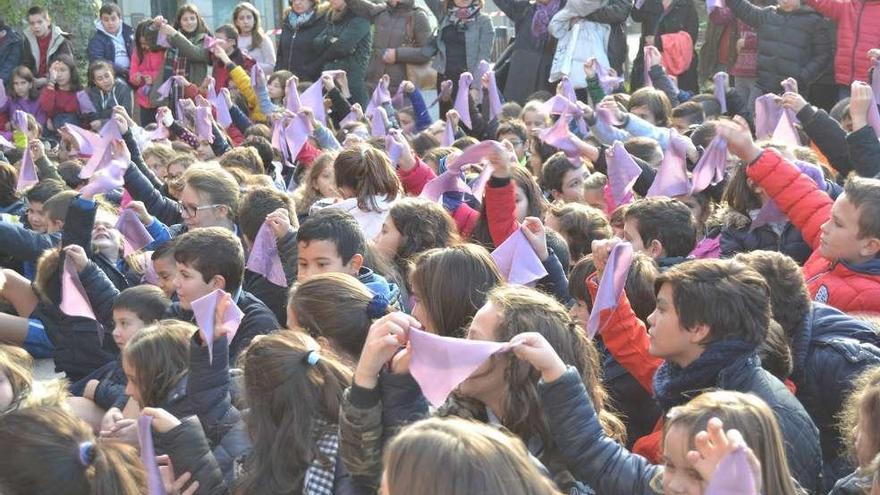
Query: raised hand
<point x="534" y="349"/>
<point x="385" y="337"/>
<point x="533" y="229"/>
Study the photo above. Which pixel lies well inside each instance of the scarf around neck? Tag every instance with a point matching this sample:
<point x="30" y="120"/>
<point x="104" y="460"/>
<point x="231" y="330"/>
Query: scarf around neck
<point x="296" y="20"/>
<point x="460" y="16"/>
<point x="673" y="385"/>
<point x="541" y="20"/>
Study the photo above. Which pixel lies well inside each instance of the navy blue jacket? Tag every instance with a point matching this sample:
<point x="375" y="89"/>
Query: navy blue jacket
<point x="829" y="351"/>
<point x="258" y="320"/>
<point x="101" y="48"/>
<point x="610" y="469"/>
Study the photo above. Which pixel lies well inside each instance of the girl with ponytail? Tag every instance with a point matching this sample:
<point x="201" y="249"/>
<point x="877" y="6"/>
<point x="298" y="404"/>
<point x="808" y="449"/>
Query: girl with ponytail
<point x="369" y="186"/>
<point x="57" y="453"/>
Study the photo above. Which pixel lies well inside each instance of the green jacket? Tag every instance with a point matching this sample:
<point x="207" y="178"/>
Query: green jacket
<point x="345" y="45"/>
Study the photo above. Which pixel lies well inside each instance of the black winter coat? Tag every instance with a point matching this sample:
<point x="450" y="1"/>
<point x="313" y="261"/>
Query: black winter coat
<point x="796" y="44"/>
<point x="681" y="16"/>
<point x="629" y="398"/>
<point x="737" y="237"/>
<point x="864" y="152"/>
<point x="829" y="351"/>
<point x="296" y="51"/>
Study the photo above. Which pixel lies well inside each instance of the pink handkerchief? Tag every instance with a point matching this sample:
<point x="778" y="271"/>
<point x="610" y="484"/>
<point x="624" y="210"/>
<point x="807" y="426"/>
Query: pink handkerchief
<point x="721" y="79"/>
<point x="148" y="455"/>
<point x="448" y="181"/>
<point x="440" y="364"/>
<point x="710" y="169"/>
<point x="517" y="260"/>
<point x="494" y="97"/>
<point x="279" y="142"/>
<point x="461" y="99"/>
<point x="208" y="42"/>
<point x="297" y="133"/>
<point x="377" y="122"/>
<point x="204" y="129"/>
<point x="672" y="179"/>
<point x="568" y="89"/>
<point x="393" y="146"/>
<point x="608" y="82"/>
<point x="352" y="117"/>
<point x="559" y="136"/>
<point x="648" y="82"/>
<point x="767" y="113"/>
<point x="4" y="143"/>
<point x="713" y="4"/>
<point x="102" y="182"/>
<point x="150" y="275"/>
<point x="733" y="476"/>
<point x="203" y="309"/>
<point x="789" y="85"/>
<point x="101" y="151"/>
<point x="874" y="117"/>
<point x="162" y="40"/>
<point x="313" y="98"/>
<point x="448" y="134"/>
<point x="19" y="120"/>
<point x="74" y="301"/>
<point x="87" y="141"/>
<point x="623" y="172"/>
<point x="27" y="176"/>
<point x="165" y="89"/>
<point x="785" y="132"/>
<point x="482" y="68"/>
<point x="135" y="235"/>
<point x="474" y="154"/>
<point x="875" y="81"/>
<point x="611" y="286"/>
<point x="558" y="105"/>
<point x="85" y="103"/>
<point x="224" y="118"/>
<point x="264" y="258"/>
<point x="381" y="95"/>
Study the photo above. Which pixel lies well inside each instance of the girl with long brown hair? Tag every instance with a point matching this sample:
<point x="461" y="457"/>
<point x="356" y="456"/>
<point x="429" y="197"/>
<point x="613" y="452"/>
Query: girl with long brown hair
<point x="369" y="186"/>
<point x="252" y="41"/>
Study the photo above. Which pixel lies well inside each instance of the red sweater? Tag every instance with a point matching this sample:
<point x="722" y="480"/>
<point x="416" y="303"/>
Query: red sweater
<point x="58" y="101"/>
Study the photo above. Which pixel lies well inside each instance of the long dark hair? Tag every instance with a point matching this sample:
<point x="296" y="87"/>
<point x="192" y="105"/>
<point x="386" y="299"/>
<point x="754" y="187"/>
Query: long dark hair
<point x="8" y="180"/>
<point x="142" y="30"/>
<point x="257" y="35"/>
<point x="75" y="83"/>
<point x="291" y="405"/>
<point x="200" y="28"/>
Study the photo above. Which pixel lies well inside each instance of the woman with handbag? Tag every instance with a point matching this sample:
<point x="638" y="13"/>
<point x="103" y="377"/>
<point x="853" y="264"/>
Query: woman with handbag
<point x="401" y="30"/>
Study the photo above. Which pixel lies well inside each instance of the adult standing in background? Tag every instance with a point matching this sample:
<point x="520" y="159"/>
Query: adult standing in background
<point x="345" y="45"/>
<point x="252" y="41"/>
<point x="666" y="17"/>
<point x="400" y="31"/>
<point x="10" y="50"/>
<point x="303" y="21"/>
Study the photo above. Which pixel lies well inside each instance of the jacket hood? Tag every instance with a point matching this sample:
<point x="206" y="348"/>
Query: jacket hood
<point x="379" y="285"/>
<point x="122" y="28"/>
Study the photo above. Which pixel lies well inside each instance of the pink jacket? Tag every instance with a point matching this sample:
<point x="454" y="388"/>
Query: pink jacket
<point x="151" y="66"/>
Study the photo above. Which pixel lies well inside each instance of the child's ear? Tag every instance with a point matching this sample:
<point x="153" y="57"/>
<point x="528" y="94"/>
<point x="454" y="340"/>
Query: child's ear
<point x="699" y="333"/>
<point x="55" y="226"/>
<point x="355" y="263"/>
<point x="870" y="247"/>
<point x="219" y="282"/>
<point x="655" y="249"/>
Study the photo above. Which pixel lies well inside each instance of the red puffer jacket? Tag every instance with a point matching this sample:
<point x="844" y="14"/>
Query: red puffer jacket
<point x="858" y="30"/>
<point x="848" y="287"/>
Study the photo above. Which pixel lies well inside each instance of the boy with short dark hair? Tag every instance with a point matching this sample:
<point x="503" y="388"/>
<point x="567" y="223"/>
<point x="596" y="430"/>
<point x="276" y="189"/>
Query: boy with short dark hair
<point x="332" y="240"/>
<point x="687" y="115"/>
<point x="256" y="207"/>
<point x="112" y="40"/>
<point x="844" y="269"/>
<point x="45" y="42"/>
<point x="829" y="350"/>
<point x="662" y="228"/>
<point x="212" y="258"/>
<point x="711" y="317"/>
<point x="26" y="245"/>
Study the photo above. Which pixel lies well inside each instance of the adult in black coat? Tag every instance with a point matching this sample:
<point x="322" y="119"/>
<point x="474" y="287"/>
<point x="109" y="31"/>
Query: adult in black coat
<point x="302" y="23"/>
<point x="659" y="17"/>
<point x="793" y="41"/>
<point x="11" y="44"/>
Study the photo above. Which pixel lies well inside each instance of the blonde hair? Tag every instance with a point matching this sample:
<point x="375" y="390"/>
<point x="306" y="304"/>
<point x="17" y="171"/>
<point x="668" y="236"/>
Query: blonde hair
<point x="475" y="458"/>
<point x="864" y="400"/>
<point x="159" y="355"/>
<point x="753" y="418"/>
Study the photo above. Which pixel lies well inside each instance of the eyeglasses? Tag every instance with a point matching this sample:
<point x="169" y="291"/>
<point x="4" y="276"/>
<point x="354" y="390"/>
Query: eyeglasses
<point x="190" y="211"/>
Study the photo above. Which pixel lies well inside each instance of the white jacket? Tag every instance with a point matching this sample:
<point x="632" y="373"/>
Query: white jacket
<point x="579" y="41"/>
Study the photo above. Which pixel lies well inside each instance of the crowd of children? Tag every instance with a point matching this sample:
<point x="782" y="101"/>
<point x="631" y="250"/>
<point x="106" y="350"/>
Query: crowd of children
<point x="264" y="281"/>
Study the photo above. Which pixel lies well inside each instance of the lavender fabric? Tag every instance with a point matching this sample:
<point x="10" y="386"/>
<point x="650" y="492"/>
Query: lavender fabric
<point x="204" y="129"/>
<point x="448" y="181"/>
<point x="264" y="258"/>
<point x="623" y="172"/>
<point x="351" y="118"/>
<point x="568" y="89"/>
<point x="711" y="166"/>
<point x="474" y="154"/>
<point x="517" y="261"/>
<point x="85" y="103"/>
<point x="150" y="275"/>
<point x="377" y="122"/>
<point x="767" y="113"/>
<point x="608" y="82"/>
<point x="672" y="179"/>
<point x="721" y="79"/>
<point x="135" y="236"/>
<point x="19" y="120"/>
<point x="647" y="69"/>
<point x="4" y="143"/>
<point x="381" y="95"/>
<point x="101" y="152"/>
<point x="494" y="97"/>
<point x="279" y="142"/>
<point x="393" y="145"/>
<point x="875" y="81"/>
<point x="789" y="85"/>
<point x="733" y="476"/>
<point x="106" y="179"/>
<point x="203" y="309"/>
<point x="785" y="131"/>
<point x="296" y="134"/>
<point x="27" y="176"/>
<point x="162" y="40"/>
<point x="559" y="136"/>
<point x="148" y="455"/>
<point x="440" y="364"/>
<point x="448" y="134"/>
<point x="87" y="141"/>
<point x="544" y="12"/>
<point x="313" y="98"/>
<point x="611" y="285"/>
<point x="74" y="301"/>
<point x="461" y="99"/>
<point x="165" y="89"/>
<point x="482" y="68"/>
<point x="293" y="103"/>
<point x="714" y="4"/>
<point x="559" y="104"/>
<point x="874" y="117"/>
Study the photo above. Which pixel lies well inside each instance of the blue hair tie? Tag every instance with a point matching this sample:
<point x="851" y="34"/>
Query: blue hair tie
<point x="377" y="307"/>
<point x="86" y="453"/>
<point x="312" y="358"/>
